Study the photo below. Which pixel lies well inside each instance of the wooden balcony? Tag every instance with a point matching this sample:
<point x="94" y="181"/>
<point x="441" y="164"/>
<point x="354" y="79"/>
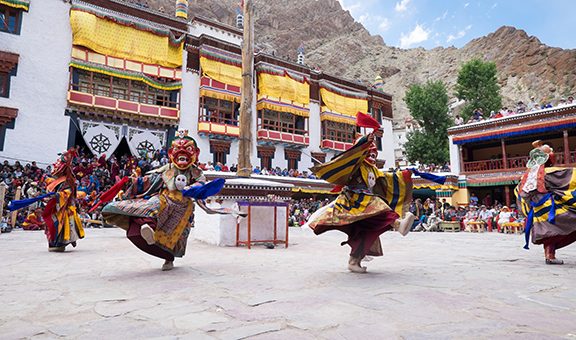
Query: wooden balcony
<point x="109" y="103"/>
<point x="335" y="145"/>
<point x="513" y="163"/>
<point x="283" y="137"/>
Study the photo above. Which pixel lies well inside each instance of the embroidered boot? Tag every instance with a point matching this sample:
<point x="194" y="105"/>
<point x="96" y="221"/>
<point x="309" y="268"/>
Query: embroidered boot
<point x="147" y="234"/>
<point x="354" y="265"/>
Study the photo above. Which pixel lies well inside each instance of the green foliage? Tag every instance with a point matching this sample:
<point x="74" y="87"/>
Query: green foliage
<point x="478" y="85"/>
<point x="428" y="105"/>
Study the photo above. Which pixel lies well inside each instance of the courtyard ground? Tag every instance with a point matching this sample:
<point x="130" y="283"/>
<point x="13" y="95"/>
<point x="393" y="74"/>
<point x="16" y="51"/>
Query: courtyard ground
<point x="426" y="286"/>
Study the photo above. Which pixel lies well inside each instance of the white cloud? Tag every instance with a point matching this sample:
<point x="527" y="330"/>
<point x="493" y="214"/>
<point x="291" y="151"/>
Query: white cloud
<point x="418" y="35"/>
<point x="495" y="5"/>
<point x="458" y="35"/>
<point x="384" y="25"/>
<point x="442" y="17"/>
<point x="466" y="4"/>
<point x="352" y="7"/>
<point x="402" y="5"/>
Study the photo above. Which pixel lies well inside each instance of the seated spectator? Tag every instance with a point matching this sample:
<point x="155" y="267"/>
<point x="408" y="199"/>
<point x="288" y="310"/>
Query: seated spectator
<point x="450" y="214"/>
<point x="505" y="216"/>
<point x="485" y="215"/>
<point x="570" y="101"/>
<point x="458" y="120"/>
<point x="562" y="102"/>
<point x="520" y="107"/>
<point x="218" y="166"/>
<point x="34" y="221"/>
<point x="471" y="216"/>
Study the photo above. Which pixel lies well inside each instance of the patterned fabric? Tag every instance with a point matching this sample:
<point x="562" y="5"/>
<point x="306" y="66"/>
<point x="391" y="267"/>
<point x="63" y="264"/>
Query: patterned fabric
<point x="174" y="220"/>
<point x="221" y="71"/>
<point x="342" y="105"/>
<point x="111" y="38"/>
<point x="340" y="169"/>
<point x="396" y="188"/>
<point x="182" y="9"/>
<point x="283" y="88"/>
<point x="552" y="213"/>
<point x="63" y="225"/>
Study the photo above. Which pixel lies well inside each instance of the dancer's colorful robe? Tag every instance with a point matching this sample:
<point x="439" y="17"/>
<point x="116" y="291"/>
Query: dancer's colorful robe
<point x="369" y="203"/>
<point x="547" y="197"/>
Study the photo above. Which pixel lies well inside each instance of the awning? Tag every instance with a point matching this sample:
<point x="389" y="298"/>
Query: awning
<point x="342" y="102"/>
<point x="20" y="4"/>
<point x="284" y="91"/>
<point x="119" y="37"/>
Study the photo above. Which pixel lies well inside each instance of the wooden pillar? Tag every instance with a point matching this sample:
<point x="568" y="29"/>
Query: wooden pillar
<point x="507" y="195"/>
<point x="245" y="137"/>
<point x="504" y="158"/>
<point x="14" y="215"/>
<point x="566" y="148"/>
<point x="461" y="158"/>
<point x="2" y="197"/>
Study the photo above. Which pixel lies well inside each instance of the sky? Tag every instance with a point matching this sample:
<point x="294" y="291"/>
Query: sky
<point x="433" y="23"/>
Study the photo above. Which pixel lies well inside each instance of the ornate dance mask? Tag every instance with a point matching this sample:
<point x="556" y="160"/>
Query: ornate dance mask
<point x="183" y="152"/>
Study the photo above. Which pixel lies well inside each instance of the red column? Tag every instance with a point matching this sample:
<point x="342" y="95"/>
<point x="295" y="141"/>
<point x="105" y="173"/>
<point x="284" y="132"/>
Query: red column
<point x="566" y="148"/>
<point x="507" y="195"/>
<point x="504" y="158"/>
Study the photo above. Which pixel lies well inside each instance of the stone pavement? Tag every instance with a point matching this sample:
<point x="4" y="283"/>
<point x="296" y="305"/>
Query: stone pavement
<point x="426" y="286"/>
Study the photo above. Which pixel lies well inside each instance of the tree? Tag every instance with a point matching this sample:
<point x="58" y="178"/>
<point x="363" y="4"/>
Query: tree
<point x="478" y="86"/>
<point x="428" y="105"/>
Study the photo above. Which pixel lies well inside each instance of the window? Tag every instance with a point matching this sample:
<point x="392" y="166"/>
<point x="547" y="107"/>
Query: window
<point x="9" y="66"/>
<point x="4" y="84"/>
<point x="339" y="132"/>
<point x="281" y="121"/>
<point x="219" y="149"/>
<point x="106" y="86"/>
<point x="292" y="156"/>
<point x="218" y="111"/>
<point x="10" y="19"/>
<point x="266" y="154"/>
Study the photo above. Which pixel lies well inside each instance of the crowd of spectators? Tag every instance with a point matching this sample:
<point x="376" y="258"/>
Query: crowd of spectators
<point x="478" y="114"/>
<point x="301" y="209"/>
<point x="431" y="212"/>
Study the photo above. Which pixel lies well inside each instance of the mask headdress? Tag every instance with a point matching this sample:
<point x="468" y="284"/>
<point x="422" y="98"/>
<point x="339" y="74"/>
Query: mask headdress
<point x="183" y="151"/>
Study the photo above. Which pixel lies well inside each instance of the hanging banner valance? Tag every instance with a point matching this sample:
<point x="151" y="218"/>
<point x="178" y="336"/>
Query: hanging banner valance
<point x="143" y="143"/>
<point x="101" y="138"/>
<point x="87" y="66"/>
<point x="347" y="106"/>
<point x="122" y="38"/>
<point x="20" y="4"/>
<point x="281" y="90"/>
<point x="221" y="66"/>
<point x="82" y="54"/>
<point x="222" y="72"/>
<point x="338" y="118"/>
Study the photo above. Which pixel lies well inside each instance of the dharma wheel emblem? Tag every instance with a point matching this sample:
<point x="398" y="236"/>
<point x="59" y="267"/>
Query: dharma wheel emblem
<point x="100" y="143"/>
<point x="145" y="147"/>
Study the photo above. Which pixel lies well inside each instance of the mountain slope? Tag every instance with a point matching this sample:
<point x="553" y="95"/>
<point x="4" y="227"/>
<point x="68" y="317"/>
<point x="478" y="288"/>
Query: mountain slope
<point x="338" y="45"/>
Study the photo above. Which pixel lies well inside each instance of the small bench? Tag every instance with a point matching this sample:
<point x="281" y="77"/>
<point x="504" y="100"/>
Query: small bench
<point x="513" y="228"/>
<point x="452" y="226"/>
<point x="477" y="226"/>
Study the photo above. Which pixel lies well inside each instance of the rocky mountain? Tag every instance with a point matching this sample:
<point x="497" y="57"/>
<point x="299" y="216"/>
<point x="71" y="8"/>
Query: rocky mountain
<point x="339" y="45"/>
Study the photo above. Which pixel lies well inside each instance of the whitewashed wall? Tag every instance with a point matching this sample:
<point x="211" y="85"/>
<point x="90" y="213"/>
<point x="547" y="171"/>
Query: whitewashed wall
<point x="387" y="152"/>
<point x="198" y="28"/>
<point x="40" y="86"/>
<point x="454" y="156"/>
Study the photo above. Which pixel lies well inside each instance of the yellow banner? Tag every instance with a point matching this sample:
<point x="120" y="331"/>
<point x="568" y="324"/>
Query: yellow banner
<point x="284" y="88"/>
<point x="20" y="4"/>
<point x="109" y="38"/>
<point x="222" y="72"/>
<point x="343" y="105"/>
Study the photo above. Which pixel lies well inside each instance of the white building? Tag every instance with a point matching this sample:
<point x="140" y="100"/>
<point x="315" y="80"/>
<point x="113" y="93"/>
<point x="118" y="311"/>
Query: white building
<point x="118" y="78"/>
